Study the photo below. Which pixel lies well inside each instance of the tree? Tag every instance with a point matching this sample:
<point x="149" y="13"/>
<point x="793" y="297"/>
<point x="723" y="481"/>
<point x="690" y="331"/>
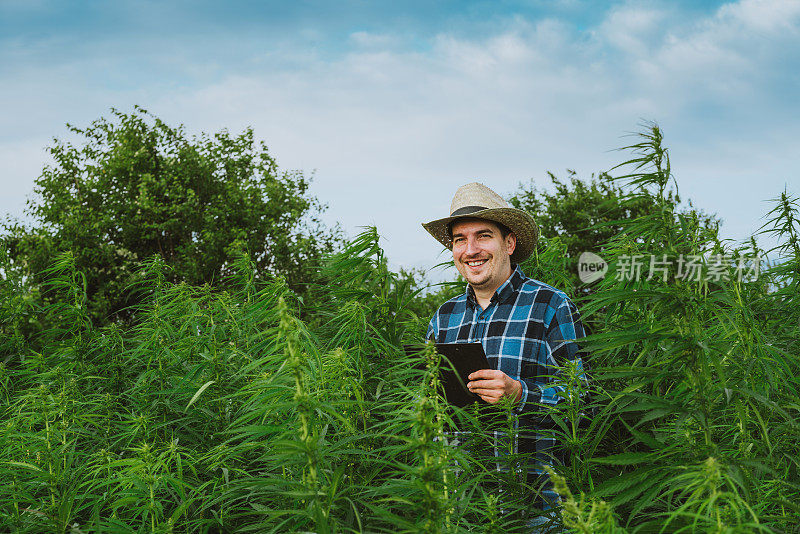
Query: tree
<point x="135" y="187"/>
<point x="586" y="215"/>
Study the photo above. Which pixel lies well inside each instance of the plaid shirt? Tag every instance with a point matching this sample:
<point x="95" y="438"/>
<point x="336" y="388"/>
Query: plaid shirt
<point x="527" y="331"/>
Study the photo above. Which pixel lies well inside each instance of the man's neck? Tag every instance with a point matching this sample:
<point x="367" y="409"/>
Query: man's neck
<point x="484" y="295"/>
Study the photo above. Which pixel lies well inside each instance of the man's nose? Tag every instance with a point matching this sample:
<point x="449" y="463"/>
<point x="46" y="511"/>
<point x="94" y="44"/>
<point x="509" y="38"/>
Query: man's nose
<point x="472" y="246"/>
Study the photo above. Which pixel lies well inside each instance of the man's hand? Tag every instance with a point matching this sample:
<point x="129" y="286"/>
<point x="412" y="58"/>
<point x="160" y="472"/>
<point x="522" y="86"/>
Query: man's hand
<point x="491" y="385"/>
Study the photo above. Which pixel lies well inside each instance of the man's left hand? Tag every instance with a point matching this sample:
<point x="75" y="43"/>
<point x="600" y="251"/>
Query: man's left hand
<point x="491" y="385"/>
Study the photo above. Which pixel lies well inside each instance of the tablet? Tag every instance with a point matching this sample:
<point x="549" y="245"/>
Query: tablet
<point x="458" y="361"/>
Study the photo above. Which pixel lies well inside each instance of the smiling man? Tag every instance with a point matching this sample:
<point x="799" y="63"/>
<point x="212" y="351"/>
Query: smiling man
<point x="527" y="328"/>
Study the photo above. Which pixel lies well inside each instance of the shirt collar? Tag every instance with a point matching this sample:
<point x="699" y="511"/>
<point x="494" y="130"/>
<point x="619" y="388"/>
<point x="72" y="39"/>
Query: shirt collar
<point x="506" y="289"/>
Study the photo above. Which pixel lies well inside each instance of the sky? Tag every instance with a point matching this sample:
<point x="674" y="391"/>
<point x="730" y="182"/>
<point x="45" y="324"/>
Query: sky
<point x="391" y="106"/>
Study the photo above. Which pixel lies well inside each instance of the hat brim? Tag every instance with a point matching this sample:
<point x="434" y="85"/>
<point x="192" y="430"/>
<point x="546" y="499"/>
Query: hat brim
<point x="520" y="222"/>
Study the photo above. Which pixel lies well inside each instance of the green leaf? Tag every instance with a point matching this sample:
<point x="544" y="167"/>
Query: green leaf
<point x="625" y="458"/>
<point x="199" y="392"/>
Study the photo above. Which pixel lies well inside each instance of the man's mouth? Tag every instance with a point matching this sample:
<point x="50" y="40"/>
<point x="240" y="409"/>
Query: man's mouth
<point x="475" y="263"/>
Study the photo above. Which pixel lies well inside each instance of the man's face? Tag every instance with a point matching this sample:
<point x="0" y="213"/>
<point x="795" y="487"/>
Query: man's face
<point x="481" y="254"/>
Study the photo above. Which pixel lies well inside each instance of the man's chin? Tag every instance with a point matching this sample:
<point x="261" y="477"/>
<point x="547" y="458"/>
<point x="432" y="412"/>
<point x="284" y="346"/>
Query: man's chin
<point x="477" y="283"/>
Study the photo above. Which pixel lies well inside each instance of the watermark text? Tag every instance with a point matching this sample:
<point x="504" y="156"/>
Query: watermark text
<point x="685" y="267"/>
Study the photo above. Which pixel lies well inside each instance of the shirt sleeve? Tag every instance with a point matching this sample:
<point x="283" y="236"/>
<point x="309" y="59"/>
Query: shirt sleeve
<point x="564" y="330"/>
<point x="433" y="327"/>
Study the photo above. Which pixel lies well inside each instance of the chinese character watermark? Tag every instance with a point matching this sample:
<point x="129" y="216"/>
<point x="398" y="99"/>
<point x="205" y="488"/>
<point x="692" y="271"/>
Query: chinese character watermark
<point x="684" y="267"/>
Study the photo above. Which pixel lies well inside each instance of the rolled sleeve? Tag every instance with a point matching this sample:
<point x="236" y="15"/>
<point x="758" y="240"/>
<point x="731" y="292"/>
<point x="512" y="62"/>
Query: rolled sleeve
<point x="433" y="327"/>
<point x="564" y="330"/>
<point x="562" y="334"/>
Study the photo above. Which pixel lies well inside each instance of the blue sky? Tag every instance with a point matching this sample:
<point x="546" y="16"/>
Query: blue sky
<point x="393" y="105"/>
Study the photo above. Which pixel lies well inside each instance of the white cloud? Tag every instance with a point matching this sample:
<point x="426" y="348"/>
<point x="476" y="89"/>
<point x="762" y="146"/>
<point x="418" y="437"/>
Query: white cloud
<point x="364" y="39"/>
<point x="21" y="161"/>
<point x="633" y="29"/>
<point x="393" y="131"/>
<point x="760" y="15"/>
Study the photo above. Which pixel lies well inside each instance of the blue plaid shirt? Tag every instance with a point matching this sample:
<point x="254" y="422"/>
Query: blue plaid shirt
<point x="528" y="331"/>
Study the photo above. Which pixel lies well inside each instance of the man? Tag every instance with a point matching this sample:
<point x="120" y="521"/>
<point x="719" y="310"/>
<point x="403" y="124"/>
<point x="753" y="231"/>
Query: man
<point x="527" y="328"/>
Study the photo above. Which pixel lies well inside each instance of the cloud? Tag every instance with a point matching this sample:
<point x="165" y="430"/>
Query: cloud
<point x="759" y="15"/>
<point x="364" y="39"/>
<point x="392" y="128"/>
<point x="633" y="29"/>
<point x="728" y="55"/>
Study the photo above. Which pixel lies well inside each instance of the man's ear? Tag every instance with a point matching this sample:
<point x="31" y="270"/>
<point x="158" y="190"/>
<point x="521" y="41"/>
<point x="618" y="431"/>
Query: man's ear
<point x="511" y="243"/>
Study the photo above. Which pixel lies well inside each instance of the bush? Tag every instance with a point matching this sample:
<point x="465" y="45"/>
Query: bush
<point x="135" y="187"/>
<point x="222" y="410"/>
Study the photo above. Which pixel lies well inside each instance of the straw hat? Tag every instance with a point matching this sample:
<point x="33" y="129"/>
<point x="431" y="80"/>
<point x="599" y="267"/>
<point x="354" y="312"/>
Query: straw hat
<point x="478" y="201"/>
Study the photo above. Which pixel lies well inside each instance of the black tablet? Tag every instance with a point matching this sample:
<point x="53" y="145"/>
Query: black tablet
<point x="459" y="360"/>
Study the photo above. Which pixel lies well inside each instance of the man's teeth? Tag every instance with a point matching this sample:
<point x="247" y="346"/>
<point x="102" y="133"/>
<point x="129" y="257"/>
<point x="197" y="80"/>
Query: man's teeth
<point x="476" y="263"/>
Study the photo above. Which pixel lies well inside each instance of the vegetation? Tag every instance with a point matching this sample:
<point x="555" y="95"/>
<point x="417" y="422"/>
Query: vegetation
<point x="586" y="215"/>
<point x="220" y="410"/>
<point x="132" y="187"/>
